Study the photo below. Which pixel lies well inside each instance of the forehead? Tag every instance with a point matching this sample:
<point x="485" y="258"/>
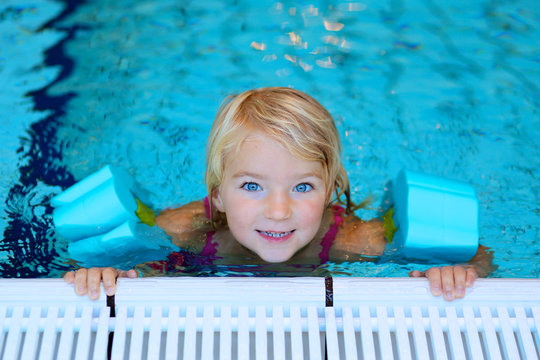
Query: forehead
<point x="260" y="153"/>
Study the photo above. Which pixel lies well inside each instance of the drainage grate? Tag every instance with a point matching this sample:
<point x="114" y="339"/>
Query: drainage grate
<point x="210" y="318"/>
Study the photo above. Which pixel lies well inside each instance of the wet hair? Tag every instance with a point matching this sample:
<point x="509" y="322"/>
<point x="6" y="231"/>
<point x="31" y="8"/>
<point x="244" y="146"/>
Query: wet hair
<point x="292" y="118"/>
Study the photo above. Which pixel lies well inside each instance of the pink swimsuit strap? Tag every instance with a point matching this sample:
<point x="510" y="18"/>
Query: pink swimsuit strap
<point x="331" y="234"/>
<point x="210" y="247"/>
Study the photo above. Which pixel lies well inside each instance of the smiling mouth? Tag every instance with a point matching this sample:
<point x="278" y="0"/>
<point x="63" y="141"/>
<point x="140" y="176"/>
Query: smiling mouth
<point x="275" y="235"/>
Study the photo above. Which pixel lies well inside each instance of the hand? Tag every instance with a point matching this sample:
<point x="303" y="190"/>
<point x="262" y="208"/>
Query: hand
<point x="448" y="280"/>
<point x="89" y="280"/>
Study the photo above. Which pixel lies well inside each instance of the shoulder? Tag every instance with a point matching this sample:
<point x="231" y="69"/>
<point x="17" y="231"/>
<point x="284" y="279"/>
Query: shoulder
<point x="185" y="219"/>
<point x="358" y="237"/>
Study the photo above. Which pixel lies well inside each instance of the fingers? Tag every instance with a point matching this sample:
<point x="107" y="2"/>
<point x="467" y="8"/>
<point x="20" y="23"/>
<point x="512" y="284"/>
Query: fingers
<point x="131" y="274"/>
<point x="460" y="277"/>
<point x="472" y="275"/>
<point x="69" y="277"/>
<point x="93" y="282"/>
<point x="88" y="281"/>
<point x="416" y="273"/>
<point x="434" y="277"/>
<point x="80" y="282"/>
<point x="109" y="281"/>
<point x="441" y="281"/>
<point x="450" y="281"/>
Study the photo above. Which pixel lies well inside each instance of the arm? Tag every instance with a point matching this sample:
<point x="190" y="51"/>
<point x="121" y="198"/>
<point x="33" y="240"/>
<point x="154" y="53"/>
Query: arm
<point x="182" y="224"/>
<point x="185" y="225"/>
<point x="452" y="280"/>
<point x="358" y="238"/>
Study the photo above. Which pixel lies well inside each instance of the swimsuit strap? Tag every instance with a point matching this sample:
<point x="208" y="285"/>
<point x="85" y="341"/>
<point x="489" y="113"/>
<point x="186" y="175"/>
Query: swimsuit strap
<point x="179" y="260"/>
<point x="210" y="247"/>
<point x="207" y="206"/>
<point x="330" y="235"/>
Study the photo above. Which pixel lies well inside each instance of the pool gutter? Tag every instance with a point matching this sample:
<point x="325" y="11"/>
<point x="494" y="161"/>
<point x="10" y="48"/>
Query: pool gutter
<point x="270" y="318"/>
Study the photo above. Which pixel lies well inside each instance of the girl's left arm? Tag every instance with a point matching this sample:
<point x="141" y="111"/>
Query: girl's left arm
<point x="357" y="237"/>
<point x="451" y="281"/>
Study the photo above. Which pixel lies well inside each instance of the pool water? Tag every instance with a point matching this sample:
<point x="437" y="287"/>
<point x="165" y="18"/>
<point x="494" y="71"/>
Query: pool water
<point x="445" y="89"/>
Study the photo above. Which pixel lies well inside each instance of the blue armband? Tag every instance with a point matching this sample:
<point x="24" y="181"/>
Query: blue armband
<point x="104" y="222"/>
<point x="436" y="218"/>
<point x="95" y="205"/>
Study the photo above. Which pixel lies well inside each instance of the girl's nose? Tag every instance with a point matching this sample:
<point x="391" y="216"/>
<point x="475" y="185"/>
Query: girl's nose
<point x="278" y="207"/>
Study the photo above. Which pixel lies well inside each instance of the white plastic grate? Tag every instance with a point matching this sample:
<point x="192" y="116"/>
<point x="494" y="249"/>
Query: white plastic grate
<point x="261" y="318"/>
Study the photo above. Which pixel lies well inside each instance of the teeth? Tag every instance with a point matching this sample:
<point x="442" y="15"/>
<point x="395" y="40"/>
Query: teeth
<point x="276" y="234"/>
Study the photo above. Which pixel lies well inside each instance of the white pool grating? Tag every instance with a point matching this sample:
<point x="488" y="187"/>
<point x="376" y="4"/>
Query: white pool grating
<point x="227" y="318"/>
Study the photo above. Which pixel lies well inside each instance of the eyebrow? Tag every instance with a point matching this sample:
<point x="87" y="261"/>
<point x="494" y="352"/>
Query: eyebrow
<point x="262" y="177"/>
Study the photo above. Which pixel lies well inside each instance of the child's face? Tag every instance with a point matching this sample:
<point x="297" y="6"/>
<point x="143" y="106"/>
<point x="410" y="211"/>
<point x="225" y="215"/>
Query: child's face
<point x="273" y="201"/>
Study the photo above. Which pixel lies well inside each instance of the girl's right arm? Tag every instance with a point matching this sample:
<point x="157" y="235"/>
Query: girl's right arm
<point x="185" y="223"/>
<point x="182" y="224"/>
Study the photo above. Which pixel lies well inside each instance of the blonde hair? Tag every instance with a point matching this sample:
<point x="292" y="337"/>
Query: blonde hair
<point x="292" y="118"/>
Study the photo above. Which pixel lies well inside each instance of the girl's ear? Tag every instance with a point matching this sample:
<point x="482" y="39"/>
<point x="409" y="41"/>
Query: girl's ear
<point x="216" y="200"/>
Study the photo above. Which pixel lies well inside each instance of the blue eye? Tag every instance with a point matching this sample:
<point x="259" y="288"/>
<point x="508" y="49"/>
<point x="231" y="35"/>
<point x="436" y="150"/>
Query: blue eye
<point x="251" y="186"/>
<point x="303" y="187"/>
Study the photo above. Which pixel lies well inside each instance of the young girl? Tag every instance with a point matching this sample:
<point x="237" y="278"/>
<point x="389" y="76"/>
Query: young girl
<point x="277" y="189"/>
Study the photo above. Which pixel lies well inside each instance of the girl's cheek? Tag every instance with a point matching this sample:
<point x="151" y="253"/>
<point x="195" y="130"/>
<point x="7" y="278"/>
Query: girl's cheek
<point x="240" y="215"/>
<point x="313" y="216"/>
<point x="317" y="206"/>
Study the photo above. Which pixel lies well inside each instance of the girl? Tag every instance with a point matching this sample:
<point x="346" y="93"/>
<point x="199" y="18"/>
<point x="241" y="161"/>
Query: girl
<point x="277" y="189"/>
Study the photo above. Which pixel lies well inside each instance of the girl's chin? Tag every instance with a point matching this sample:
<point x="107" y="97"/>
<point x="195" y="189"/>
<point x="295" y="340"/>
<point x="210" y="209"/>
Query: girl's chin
<point x="274" y="257"/>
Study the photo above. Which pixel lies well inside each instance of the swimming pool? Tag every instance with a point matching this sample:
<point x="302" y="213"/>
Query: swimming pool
<point x="444" y="89"/>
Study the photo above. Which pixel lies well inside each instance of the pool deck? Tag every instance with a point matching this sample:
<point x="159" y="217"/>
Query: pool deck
<point x="257" y="290"/>
<point x="271" y="317"/>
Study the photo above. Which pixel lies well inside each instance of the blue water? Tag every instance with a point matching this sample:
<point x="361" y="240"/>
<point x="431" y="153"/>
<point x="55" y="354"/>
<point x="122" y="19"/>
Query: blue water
<point x="449" y="89"/>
